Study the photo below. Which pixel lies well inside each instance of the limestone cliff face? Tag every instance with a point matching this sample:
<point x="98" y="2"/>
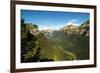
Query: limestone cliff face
<point x="70" y="29"/>
<point x="83" y="29"/>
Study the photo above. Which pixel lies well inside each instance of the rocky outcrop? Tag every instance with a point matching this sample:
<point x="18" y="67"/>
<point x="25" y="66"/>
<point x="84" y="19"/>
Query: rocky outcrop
<point x="83" y="29"/>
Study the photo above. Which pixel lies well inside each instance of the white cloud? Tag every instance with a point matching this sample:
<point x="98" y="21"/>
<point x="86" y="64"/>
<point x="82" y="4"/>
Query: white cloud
<point x="72" y="22"/>
<point x="57" y="27"/>
<point x="52" y="27"/>
<point x="44" y="27"/>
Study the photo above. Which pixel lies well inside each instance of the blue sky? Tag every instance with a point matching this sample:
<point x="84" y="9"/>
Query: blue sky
<point x="53" y="19"/>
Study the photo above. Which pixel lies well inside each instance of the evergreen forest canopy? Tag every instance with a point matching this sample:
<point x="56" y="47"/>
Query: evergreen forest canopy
<point x="68" y="43"/>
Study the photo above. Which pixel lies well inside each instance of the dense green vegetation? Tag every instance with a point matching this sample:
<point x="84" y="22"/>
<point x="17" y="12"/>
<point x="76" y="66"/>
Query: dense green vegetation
<point x="38" y="46"/>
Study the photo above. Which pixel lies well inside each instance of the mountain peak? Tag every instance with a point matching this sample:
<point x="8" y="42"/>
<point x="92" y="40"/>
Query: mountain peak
<point x="71" y="26"/>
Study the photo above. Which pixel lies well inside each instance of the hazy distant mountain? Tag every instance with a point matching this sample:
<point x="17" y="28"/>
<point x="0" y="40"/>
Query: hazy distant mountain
<point x="83" y="29"/>
<point x="70" y="29"/>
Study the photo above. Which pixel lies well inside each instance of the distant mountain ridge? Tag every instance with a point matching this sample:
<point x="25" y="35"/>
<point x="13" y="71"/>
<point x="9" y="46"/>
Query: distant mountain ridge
<point x="83" y="29"/>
